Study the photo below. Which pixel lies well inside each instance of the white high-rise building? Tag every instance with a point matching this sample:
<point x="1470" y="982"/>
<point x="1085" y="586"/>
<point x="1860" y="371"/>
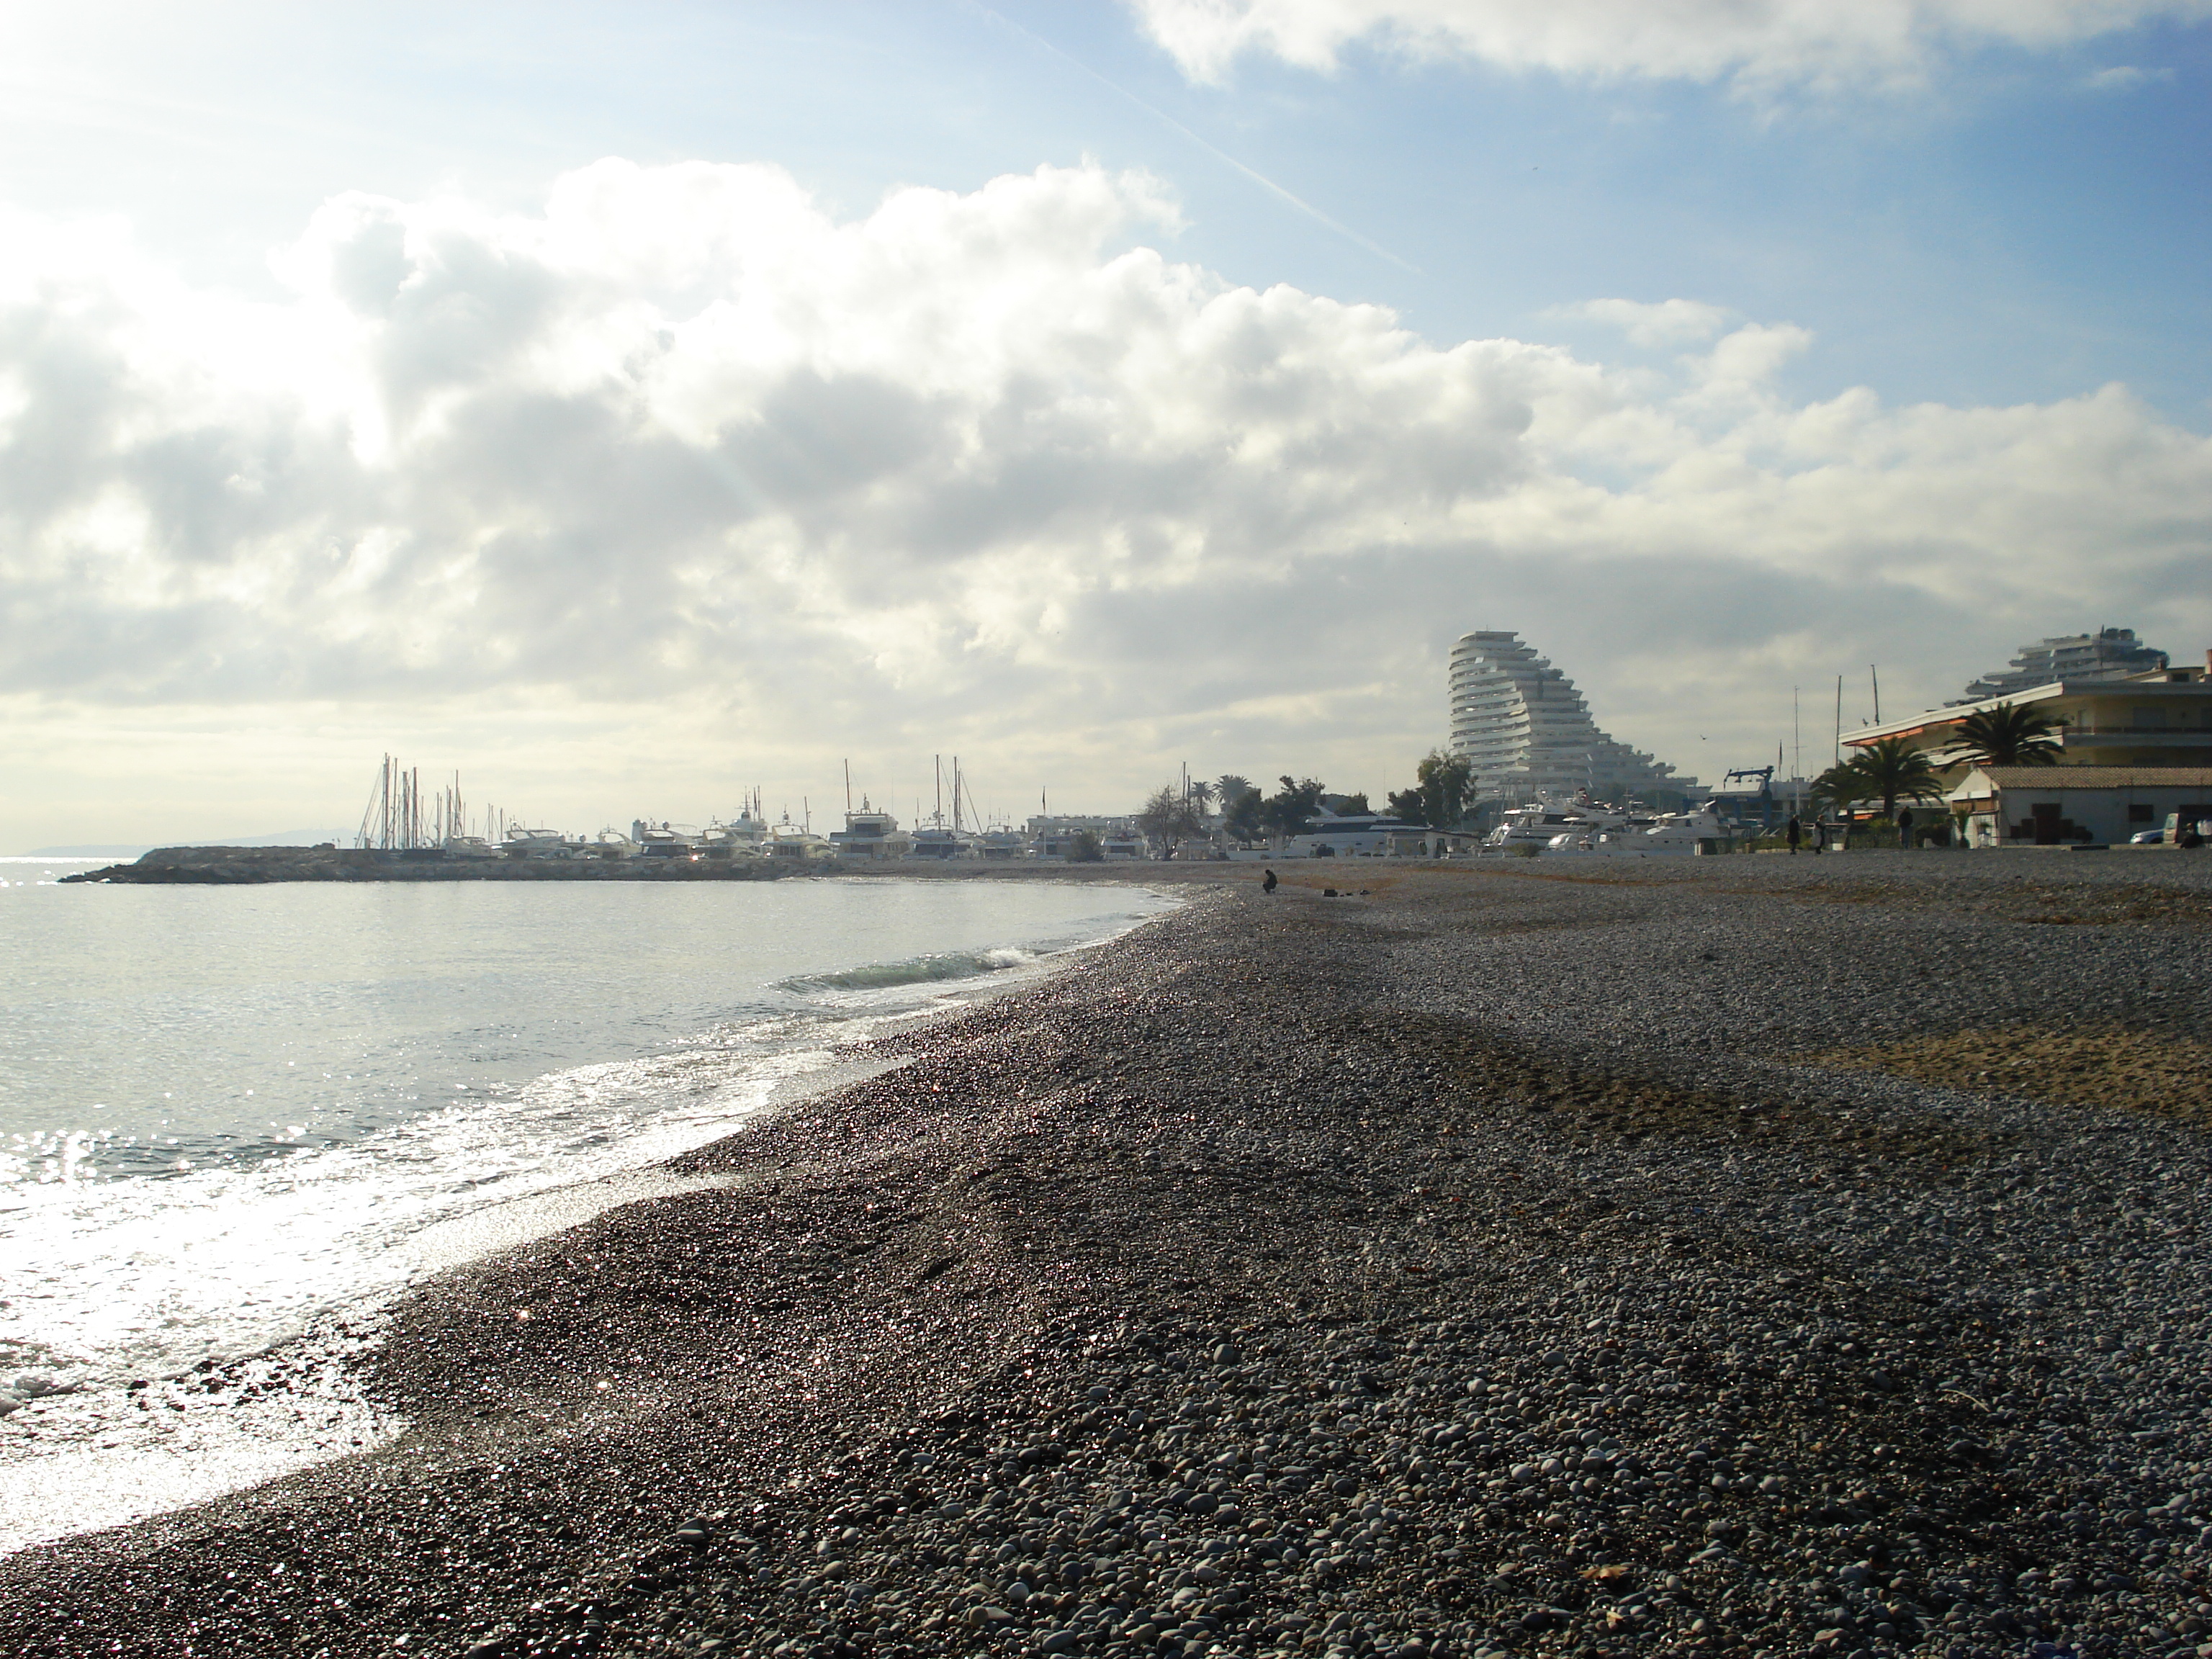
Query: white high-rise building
<point x="1525" y="730"/>
<point x="2110" y="654"/>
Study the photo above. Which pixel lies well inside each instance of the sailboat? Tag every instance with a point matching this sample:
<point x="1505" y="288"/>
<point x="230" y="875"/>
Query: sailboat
<point x="999" y="840"/>
<point x="933" y="840"/>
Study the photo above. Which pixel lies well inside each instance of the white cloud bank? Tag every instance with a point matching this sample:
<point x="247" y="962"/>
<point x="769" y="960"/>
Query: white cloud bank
<point x="682" y="455"/>
<point x="1758" y="45"/>
<point x="1667" y="322"/>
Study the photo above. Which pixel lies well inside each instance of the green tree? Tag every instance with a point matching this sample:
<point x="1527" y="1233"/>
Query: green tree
<point x="1445" y="782"/>
<point x="1167" y="816"/>
<point x="1438" y="797"/>
<point x="1086" y="848"/>
<point x="1286" y="811"/>
<point x="1245" y="813"/>
<point x="2010" y="736"/>
<point x="1229" y="788"/>
<point x="1892" y="769"/>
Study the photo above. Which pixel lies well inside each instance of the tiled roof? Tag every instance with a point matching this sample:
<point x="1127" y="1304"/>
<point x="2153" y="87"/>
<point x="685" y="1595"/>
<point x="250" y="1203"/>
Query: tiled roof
<point x="2099" y="777"/>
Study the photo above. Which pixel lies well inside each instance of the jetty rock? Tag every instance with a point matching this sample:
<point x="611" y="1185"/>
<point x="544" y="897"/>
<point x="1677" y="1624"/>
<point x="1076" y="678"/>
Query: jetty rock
<point x="226" y="866"/>
<point x="239" y="866"/>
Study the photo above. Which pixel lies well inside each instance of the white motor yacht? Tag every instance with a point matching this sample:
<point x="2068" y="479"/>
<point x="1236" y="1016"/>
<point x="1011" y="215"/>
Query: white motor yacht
<point x="541" y="844"/>
<point x="665" y="840"/>
<point x="1542" y="823"/>
<point x="869" y="834"/>
<point x="935" y="841"/>
<point x="744" y="836"/>
<point x="1673" y="834"/>
<point x="1000" y="843"/>
<point x="789" y="841"/>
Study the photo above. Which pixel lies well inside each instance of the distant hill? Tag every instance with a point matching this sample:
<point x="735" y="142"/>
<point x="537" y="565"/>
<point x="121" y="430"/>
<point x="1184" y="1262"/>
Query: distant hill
<point x="283" y="838"/>
<point x="84" y="852"/>
<point x="280" y="838"/>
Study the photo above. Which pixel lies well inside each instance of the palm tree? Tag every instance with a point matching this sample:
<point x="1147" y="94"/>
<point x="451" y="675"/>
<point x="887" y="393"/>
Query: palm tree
<point x="1894" y="769"/>
<point x="2010" y="736"/>
<point x="1841" y="784"/>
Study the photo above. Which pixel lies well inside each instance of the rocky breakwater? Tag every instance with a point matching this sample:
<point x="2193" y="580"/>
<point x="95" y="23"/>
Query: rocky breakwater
<point x="1491" y="1264"/>
<point x="231" y="865"/>
<point x="235" y="866"/>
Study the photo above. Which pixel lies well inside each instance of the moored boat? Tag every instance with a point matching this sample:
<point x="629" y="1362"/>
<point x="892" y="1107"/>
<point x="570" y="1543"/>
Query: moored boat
<point x="869" y="835"/>
<point x="1671" y="835"/>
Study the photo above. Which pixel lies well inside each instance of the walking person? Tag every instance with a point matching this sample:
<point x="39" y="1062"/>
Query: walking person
<point x="1905" y="829"/>
<point x="1819" y="837"/>
<point x="1793" y="834"/>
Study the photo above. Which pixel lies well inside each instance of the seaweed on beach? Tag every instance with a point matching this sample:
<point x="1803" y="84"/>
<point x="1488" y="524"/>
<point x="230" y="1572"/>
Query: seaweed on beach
<point x="2159" y="1073"/>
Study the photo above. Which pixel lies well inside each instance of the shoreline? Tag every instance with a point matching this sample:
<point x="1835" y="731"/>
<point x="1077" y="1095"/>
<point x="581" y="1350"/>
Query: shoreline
<point x="80" y="1451"/>
<point x="1482" y="1264"/>
<point x="256" y="866"/>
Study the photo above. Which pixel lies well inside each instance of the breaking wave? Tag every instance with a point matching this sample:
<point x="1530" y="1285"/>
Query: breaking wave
<point x="235" y="1125"/>
<point x="920" y="970"/>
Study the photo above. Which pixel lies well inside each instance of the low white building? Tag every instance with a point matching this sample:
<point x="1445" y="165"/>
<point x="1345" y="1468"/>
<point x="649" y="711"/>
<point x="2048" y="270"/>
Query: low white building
<point x="2077" y="805"/>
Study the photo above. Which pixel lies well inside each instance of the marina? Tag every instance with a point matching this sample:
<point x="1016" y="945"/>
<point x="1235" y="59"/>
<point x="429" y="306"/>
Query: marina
<point x="2120" y="754"/>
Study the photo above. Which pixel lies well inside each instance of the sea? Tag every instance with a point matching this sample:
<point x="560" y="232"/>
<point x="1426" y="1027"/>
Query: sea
<point x="236" y="1121"/>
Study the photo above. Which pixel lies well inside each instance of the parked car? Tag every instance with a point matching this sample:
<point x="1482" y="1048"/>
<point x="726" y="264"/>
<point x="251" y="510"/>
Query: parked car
<point x="2148" y="838"/>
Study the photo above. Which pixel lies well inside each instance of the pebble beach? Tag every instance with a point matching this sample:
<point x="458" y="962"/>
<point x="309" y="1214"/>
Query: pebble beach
<point x="1751" y="1256"/>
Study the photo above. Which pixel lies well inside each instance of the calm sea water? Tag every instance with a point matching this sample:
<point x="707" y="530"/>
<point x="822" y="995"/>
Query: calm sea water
<point x="228" y="1113"/>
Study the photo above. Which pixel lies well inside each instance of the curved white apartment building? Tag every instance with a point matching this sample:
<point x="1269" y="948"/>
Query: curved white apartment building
<point x="1524" y="729"/>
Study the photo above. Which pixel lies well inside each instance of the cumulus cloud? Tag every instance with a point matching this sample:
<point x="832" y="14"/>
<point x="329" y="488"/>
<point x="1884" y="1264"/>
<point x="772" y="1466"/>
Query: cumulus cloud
<point x="1763" y="45"/>
<point x="983" y="471"/>
<point x="1668" y="322"/>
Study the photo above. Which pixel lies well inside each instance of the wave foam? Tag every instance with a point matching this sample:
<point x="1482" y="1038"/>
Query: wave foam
<point x="918" y="970"/>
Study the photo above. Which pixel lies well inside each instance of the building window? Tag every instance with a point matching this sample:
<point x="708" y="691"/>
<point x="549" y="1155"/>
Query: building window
<point x="2139" y="814"/>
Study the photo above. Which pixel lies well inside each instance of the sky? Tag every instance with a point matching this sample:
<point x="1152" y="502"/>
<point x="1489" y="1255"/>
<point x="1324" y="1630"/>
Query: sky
<point x="629" y="406"/>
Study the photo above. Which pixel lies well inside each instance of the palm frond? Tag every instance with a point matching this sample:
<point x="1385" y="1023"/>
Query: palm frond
<point x="2011" y="736"/>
